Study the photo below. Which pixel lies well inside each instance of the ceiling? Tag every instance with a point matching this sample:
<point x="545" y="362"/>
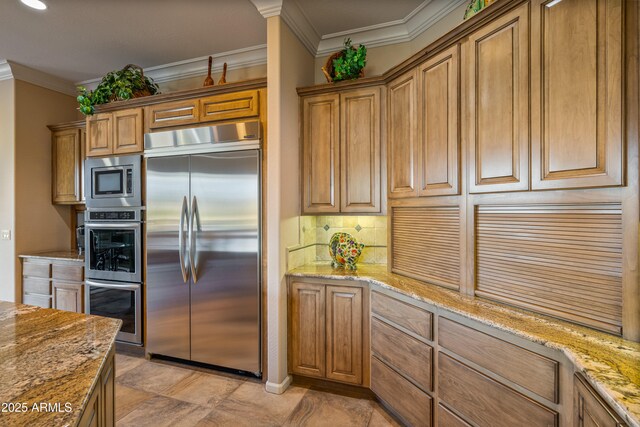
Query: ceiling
<point x="80" y="40"/>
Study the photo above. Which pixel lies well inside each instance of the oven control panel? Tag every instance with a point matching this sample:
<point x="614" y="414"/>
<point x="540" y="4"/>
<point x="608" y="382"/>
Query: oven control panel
<point x="114" y="215"/>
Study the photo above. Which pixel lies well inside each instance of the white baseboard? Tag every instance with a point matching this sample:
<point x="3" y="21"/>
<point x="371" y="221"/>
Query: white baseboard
<point x="276" y="388"/>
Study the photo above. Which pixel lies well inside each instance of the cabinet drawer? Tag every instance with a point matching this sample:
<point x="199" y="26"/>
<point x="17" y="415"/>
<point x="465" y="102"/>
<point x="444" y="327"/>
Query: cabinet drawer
<point x="172" y="114"/>
<point x="229" y="106"/>
<point x="446" y="418"/>
<point x="406" y="400"/>
<point x="39" y="300"/>
<point x="36" y="269"/>
<point x="404" y="353"/>
<point x="485" y="402"/>
<point x="525" y="368"/>
<point x="409" y="317"/>
<point x="68" y="272"/>
<point x="36" y="286"/>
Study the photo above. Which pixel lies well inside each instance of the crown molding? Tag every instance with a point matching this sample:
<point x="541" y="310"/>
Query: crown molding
<point x="241" y="58"/>
<point x="268" y="8"/>
<point x="5" y="70"/>
<point x="13" y="70"/>
<point x="419" y="20"/>
<point x="293" y="15"/>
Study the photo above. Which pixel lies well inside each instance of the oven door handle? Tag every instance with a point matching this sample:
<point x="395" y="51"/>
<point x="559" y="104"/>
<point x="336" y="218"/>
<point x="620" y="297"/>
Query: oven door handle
<point x="89" y="282"/>
<point x="184" y="213"/>
<point x="134" y="225"/>
<point x="193" y="237"/>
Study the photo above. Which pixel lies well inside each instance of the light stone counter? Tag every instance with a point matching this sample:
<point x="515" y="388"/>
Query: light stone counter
<point x="57" y="255"/>
<point x="50" y="357"/>
<point x="611" y="364"/>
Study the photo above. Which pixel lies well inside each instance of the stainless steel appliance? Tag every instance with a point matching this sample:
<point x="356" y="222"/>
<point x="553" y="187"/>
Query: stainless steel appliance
<point x="113" y="181"/>
<point x="203" y="245"/>
<point x="113" y="267"/>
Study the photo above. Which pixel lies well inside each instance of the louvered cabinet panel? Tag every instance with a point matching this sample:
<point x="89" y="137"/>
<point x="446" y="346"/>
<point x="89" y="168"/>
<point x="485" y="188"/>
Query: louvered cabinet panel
<point x="426" y="243"/>
<point x="562" y="260"/>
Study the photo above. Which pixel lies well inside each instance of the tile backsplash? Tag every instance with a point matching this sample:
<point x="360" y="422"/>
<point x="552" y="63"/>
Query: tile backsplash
<point x="315" y="232"/>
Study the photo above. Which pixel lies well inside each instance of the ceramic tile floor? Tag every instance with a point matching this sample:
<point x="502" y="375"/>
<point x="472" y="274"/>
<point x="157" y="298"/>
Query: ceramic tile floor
<point x="157" y="393"/>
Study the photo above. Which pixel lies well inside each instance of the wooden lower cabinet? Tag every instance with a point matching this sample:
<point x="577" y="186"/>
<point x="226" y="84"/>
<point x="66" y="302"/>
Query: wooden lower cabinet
<point x="100" y="410"/>
<point x="68" y="296"/>
<point x="53" y="283"/>
<point x="406" y="400"/>
<point x="429" y="366"/>
<point x="589" y="410"/>
<point x="327" y="329"/>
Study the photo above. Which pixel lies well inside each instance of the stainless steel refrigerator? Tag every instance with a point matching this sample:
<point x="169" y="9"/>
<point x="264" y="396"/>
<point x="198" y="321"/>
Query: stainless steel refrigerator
<point x="203" y="245"/>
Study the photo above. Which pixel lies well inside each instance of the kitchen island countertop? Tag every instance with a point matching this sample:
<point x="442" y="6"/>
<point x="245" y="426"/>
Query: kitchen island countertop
<point x="50" y="361"/>
<point x="611" y="364"/>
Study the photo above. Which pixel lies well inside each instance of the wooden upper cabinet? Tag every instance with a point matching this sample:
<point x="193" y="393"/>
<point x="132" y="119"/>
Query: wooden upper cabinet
<point x="100" y="134"/>
<point x="127" y="131"/>
<point x="307" y="329"/>
<point x="576" y="82"/>
<point x="402" y="136"/>
<point x="67" y="166"/>
<point x="497" y="104"/>
<point x="360" y="150"/>
<point x="115" y="133"/>
<point x="344" y="334"/>
<point x="439" y="147"/>
<point x="230" y="106"/>
<point x="176" y="113"/>
<point x="321" y="154"/>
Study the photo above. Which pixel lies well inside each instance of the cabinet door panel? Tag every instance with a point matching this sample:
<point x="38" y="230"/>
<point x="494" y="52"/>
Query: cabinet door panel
<point x="307" y="311"/>
<point x="321" y="154"/>
<point x="576" y="82"/>
<point x="67" y="164"/>
<point x="439" y="121"/>
<point x="589" y="409"/>
<point x="68" y="296"/>
<point x="99" y="134"/>
<point x="127" y="131"/>
<point x="344" y="334"/>
<point x="498" y="104"/>
<point x="230" y="106"/>
<point x="401" y="134"/>
<point x="176" y="113"/>
<point x="360" y="150"/>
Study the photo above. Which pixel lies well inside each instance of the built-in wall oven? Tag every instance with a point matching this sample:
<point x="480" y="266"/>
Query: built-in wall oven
<point x="113" y="267"/>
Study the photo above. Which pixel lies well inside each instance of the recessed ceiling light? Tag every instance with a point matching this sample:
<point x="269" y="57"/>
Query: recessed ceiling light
<point x="36" y="4"/>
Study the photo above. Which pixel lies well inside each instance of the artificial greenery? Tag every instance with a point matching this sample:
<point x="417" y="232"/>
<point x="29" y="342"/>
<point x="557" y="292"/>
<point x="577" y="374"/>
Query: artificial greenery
<point x="349" y="65"/>
<point x="130" y="82"/>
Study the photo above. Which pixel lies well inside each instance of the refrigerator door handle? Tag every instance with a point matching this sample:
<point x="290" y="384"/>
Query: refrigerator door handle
<point x="184" y="213"/>
<point x="193" y="237"/>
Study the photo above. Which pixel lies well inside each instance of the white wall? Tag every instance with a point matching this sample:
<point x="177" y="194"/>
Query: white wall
<point x="7" y="154"/>
<point x="289" y="66"/>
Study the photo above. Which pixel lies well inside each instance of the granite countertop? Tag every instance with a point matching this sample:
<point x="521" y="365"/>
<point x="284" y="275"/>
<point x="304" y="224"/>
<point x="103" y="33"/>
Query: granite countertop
<point x="57" y="255"/>
<point x="52" y="357"/>
<point x="611" y="364"/>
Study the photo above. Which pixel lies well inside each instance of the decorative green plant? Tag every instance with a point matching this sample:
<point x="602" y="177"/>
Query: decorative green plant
<point x="130" y="82"/>
<point x="349" y="64"/>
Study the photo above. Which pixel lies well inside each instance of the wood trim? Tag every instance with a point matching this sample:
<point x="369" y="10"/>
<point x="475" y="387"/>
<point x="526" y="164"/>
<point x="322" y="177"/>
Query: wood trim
<point x="68" y="125"/>
<point x="182" y="95"/>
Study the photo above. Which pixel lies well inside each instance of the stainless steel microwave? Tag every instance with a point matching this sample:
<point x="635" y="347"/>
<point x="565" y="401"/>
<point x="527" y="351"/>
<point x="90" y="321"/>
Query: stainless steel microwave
<point x="113" y="181"/>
